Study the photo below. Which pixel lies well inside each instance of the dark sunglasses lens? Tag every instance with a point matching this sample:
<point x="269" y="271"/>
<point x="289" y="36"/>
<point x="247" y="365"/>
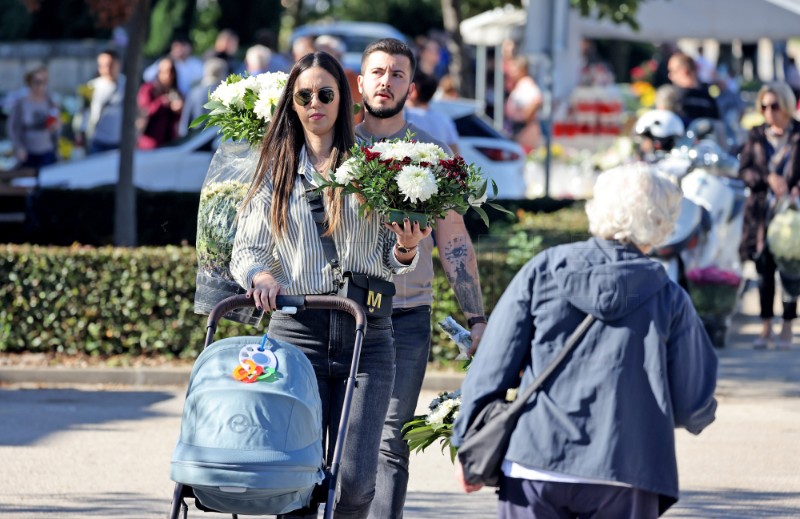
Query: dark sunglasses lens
<point x="303" y="97"/>
<point x="774" y="106"/>
<point x="325" y="95"/>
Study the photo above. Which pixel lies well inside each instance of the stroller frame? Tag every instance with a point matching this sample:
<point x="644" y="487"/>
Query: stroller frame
<point x="292" y="304"/>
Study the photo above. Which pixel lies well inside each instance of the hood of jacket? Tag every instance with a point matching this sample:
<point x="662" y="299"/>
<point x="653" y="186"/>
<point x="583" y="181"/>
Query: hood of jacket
<point x="606" y="279"/>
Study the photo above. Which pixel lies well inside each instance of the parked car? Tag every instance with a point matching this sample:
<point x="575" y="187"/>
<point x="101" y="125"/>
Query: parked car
<point x="179" y="166"/>
<point x="499" y="158"/>
<point x="182" y="165"/>
<point x="355" y="35"/>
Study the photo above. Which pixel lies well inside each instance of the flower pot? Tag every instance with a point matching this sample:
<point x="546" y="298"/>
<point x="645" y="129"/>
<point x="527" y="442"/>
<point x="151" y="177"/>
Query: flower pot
<point x="396" y="215"/>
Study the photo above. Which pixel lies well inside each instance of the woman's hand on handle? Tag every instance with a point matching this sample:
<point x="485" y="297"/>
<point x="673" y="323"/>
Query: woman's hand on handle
<point x="264" y="292"/>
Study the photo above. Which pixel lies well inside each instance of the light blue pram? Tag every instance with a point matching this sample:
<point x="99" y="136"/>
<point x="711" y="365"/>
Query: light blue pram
<point x="251" y="439"/>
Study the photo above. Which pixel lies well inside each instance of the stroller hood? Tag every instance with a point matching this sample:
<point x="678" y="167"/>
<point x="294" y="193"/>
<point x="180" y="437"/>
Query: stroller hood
<point x="250" y="447"/>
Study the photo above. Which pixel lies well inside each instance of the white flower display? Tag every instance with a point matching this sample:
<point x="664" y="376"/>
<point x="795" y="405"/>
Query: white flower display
<point x="416" y="183"/>
<point x="347" y="172"/>
<point x="783" y="235"/>
<point x="241" y="107"/>
<point x="445" y="412"/>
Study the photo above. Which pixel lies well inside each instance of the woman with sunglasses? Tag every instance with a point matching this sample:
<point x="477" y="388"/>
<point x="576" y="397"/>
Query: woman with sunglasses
<point x="770" y="166"/>
<point x="278" y="250"/>
<point x="33" y="124"/>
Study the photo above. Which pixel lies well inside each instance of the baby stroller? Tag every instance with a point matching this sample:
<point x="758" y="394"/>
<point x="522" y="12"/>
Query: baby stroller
<point x="251" y="432"/>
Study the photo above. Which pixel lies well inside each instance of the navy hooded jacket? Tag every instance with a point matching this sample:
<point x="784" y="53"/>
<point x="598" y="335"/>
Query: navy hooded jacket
<point x="644" y="367"/>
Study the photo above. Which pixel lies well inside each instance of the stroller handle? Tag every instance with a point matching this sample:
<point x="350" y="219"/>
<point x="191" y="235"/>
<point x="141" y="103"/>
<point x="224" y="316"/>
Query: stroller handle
<point x="300" y="302"/>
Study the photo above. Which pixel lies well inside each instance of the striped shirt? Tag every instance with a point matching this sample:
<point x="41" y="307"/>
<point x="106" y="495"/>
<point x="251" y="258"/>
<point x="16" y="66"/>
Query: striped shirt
<point x="297" y="260"/>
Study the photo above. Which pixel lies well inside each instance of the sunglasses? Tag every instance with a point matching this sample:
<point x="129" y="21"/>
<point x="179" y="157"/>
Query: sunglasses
<point x="775" y="107"/>
<point x="304" y="97"/>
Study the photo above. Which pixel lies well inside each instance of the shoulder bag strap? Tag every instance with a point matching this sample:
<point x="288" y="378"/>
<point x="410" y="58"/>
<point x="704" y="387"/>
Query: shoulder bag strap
<point x="516" y="407"/>
<point x="318" y="214"/>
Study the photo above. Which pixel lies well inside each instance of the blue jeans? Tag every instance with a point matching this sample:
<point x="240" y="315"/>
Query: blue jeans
<point x="412" y="343"/>
<point x="525" y="499"/>
<point x="96" y="146"/>
<point x="327" y="338"/>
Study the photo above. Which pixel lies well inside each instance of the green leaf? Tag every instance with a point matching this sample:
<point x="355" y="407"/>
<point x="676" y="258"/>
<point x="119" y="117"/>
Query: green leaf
<point x="199" y="120"/>
<point x="483" y="215"/>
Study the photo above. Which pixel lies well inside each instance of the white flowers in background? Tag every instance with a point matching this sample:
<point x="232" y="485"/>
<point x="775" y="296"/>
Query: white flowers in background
<point x="241" y="107"/>
<point x="783" y="235"/>
<point x="416" y="183"/>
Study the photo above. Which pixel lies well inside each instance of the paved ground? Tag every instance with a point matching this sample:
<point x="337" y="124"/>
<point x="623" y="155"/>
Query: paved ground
<point x="80" y="450"/>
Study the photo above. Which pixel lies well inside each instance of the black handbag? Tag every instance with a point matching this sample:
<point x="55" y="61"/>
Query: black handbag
<point x="372" y="293"/>
<point x="486" y="441"/>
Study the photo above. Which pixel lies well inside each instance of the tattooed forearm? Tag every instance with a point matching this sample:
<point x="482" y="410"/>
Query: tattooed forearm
<point x="461" y="269"/>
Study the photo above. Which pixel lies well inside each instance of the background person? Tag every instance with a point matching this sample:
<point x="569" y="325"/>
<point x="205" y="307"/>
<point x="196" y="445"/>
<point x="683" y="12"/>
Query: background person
<point x="188" y="67"/>
<point x="256" y="60"/>
<point x="598" y="440"/>
<point x="387" y="67"/>
<point x="770" y="166"/>
<point x="420" y="114"/>
<point x="160" y="104"/>
<point x="215" y="70"/>
<point x="277" y="250"/>
<point x="693" y="101"/>
<point x="33" y="124"/>
<point x="523" y="104"/>
<point x="104" y="122"/>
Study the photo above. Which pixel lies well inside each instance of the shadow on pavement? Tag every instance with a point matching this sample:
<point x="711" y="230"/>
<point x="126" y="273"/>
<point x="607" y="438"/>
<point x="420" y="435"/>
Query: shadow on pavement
<point x="28" y="415"/>
<point x="435" y="505"/>
<point x="131" y="505"/>
<point x="733" y="504"/>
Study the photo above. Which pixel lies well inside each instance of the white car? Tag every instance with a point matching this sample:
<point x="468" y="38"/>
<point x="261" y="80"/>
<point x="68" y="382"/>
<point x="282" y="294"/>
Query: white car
<point x="499" y="158"/>
<point x="182" y="165"/>
<point x="179" y="166"/>
<point x="355" y="36"/>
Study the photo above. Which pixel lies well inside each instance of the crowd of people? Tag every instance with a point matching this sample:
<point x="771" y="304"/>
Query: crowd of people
<point x="582" y="449"/>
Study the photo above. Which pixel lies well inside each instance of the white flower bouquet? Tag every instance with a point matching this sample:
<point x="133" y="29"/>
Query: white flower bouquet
<point x="403" y="178"/>
<point x="783" y="238"/>
<point x="423" y="430"/>
<point x="241" y="109"/>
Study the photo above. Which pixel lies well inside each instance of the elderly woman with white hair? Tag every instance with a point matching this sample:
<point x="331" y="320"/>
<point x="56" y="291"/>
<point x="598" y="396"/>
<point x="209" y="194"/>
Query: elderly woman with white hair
<point x="597" y="440"/>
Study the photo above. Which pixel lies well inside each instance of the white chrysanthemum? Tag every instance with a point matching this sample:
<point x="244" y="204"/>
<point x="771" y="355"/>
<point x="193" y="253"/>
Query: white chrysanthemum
<point x="443" y="411"/>
<point x="347" y="172"/>
<point x="418" y="184"/>
<point x="271" y="84"/>
<point x="783" y="235"/>
<point x="428" y="152"/>
<point x="230" y="94"/>
<point x="264" y="107"/>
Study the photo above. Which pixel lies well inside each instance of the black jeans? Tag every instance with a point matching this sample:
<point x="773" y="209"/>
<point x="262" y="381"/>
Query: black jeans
<point x="766" y="268"/>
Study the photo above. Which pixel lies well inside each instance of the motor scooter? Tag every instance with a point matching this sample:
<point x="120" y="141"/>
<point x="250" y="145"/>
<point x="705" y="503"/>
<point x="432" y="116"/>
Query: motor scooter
<point x="702" y="253"/>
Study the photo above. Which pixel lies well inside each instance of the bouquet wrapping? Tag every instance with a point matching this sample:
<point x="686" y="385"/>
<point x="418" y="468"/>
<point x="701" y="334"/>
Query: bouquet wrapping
<point x="241" y="109"/>
<point x="714" y="291"/>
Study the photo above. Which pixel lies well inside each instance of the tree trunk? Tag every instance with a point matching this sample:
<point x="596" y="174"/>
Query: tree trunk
<point x="461" y="64"/>
<point x="125" y="199"/>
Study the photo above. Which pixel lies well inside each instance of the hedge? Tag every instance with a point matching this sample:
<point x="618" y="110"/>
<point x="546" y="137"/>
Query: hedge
<point x="113" y="301"/>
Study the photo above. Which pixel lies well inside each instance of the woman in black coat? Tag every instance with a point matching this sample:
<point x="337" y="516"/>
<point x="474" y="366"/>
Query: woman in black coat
<point x="770" y="166"/>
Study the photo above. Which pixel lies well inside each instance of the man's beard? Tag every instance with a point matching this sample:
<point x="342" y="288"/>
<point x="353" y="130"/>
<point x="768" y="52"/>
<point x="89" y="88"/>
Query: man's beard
<point x="386" y="112"/>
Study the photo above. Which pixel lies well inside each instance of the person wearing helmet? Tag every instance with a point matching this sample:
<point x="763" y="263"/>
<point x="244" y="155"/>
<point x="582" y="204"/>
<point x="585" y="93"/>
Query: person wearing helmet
<point x="656" y="133"/>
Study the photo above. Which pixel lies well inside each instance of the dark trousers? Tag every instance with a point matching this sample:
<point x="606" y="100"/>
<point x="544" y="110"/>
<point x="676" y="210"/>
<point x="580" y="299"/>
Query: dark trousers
<point x="525" y="499"/>
<point x="766" y="268"/>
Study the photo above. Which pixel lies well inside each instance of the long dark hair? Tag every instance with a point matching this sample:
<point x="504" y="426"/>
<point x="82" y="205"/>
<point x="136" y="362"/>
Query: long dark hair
<point x="280" y="148"/>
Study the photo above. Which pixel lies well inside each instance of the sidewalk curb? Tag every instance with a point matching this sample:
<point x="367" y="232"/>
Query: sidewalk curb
<point x="143" y="377"/>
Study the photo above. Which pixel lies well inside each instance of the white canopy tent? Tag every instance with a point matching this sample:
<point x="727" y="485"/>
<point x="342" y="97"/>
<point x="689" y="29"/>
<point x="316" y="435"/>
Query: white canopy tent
<point x="659" y="21"/>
